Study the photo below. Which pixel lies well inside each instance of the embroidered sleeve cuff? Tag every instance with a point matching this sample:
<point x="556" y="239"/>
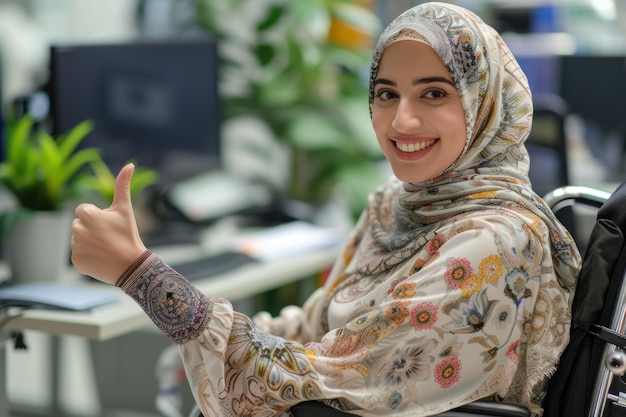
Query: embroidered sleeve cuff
<point x="178" y="308"/>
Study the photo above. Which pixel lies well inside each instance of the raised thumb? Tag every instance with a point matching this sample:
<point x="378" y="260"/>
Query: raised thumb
<point x="121" y="196"/>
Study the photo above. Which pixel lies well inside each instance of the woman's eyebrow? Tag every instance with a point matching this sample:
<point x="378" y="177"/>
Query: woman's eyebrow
<point x="428" y="80"/>
<point x="384" y="81"/>
<point x="417" y="81"/>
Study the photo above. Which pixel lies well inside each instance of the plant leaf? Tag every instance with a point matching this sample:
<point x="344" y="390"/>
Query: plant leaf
<point x="17" y="139"/>
<point x="142" y="178"/>
<point x="78" y="160"/>
<point x="51" y="167"/>
<point x="70" y="141"/>
<point x="272" y="17"/>
<point x="313" y="131"/>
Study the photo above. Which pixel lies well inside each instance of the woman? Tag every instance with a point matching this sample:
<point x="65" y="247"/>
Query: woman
<point x="455" y="284"/>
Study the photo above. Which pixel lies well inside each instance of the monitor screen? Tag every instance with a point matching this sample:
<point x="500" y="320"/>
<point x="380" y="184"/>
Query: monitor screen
<point x="594" y="88"/>
<point x="542" y="73"/>
<point x="153" y="102"/>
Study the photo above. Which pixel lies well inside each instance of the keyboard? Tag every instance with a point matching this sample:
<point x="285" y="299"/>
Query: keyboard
<point x="213" y="264"/>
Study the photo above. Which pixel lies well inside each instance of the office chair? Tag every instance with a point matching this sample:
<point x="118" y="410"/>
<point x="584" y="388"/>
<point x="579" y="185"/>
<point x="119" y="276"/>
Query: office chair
<point x="588" y="380"/>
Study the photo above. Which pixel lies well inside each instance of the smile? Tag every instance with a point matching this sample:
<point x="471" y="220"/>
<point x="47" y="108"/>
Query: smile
<point x="414" y="146"/>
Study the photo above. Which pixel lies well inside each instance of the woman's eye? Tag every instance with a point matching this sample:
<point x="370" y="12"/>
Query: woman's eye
<point x="385" y="95"/>
<point x="435" y="94"/>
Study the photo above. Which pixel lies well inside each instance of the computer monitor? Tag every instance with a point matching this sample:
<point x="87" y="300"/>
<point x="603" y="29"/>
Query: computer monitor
<point x="155" y="102"/>
<point x="542" y="72"/>
<point x="594" y="87"/>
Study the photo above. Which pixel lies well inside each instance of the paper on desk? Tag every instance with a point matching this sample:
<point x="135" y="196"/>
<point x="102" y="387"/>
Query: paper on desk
<point x="288" y="239"/>
<point x="55" y="295"/>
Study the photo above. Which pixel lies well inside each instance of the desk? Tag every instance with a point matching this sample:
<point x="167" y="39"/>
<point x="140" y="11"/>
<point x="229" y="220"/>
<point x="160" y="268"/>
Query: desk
<point x="126" y="316"/>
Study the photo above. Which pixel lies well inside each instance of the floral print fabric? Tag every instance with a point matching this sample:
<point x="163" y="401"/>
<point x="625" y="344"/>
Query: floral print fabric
<point x="446" y="292"/>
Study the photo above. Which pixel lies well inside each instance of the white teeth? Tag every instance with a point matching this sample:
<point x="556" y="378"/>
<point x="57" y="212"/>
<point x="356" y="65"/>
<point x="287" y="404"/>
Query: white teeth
<point x="413" y="147"/>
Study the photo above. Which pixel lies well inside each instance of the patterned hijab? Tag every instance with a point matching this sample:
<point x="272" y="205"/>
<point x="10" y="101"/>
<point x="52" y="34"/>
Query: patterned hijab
<point x="492" y="170"/>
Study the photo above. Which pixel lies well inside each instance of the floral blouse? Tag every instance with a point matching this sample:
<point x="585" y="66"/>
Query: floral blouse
<point x="475" y="314"/>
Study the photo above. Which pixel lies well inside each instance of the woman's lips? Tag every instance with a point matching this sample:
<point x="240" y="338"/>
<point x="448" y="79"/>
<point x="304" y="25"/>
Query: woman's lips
<point x="413" y="150"/>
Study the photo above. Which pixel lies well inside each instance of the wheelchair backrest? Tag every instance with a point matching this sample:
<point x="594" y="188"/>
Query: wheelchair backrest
<point x="579" y="388"/>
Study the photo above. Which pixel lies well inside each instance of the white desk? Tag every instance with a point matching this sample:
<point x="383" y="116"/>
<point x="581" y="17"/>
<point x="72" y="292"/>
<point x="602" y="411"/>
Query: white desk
<point x="125" y="316"/>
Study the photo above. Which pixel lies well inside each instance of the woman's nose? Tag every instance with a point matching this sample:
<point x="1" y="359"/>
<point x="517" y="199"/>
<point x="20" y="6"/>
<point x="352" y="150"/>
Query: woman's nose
<point x="407" y="117"/>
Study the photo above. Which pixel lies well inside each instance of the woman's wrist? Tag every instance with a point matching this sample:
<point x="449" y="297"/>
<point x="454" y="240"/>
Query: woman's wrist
<point x="125" y="279"/>
<point x="179" y="309"/>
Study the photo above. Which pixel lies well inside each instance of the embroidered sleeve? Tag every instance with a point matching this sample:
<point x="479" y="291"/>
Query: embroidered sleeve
<point x="177" y="308"/>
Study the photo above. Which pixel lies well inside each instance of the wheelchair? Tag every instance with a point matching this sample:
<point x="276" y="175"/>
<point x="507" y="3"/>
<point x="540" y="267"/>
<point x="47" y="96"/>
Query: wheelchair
<point x="588" y="381"/>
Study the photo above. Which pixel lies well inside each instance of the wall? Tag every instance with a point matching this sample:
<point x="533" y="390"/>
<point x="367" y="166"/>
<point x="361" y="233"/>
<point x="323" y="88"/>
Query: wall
<point x="28" y="27"/>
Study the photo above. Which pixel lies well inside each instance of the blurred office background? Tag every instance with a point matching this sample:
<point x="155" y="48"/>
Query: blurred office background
<point x="573" y="51"/>
<point x="569" y="48"/>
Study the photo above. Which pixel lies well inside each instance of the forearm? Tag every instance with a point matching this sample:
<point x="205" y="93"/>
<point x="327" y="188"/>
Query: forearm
<point x="178" y="309"/>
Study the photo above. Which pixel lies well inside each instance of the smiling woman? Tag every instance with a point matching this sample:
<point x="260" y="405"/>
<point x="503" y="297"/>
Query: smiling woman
<point x="454" y="259"/>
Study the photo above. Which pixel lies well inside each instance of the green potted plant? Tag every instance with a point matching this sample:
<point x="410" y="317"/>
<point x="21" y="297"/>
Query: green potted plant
<point x="299" y="68"/>
<point x="47" y="175"/>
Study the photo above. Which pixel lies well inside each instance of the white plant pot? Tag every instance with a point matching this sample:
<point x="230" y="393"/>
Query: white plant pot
<point x="38" y="248"/>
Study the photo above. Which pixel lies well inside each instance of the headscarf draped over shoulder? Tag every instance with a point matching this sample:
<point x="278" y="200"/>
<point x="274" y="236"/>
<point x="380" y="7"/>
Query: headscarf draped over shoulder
<point x="492" y="170"/>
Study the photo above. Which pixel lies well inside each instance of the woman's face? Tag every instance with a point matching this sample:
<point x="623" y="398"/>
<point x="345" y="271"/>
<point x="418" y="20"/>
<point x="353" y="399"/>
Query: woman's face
<point x="417" y="113"/>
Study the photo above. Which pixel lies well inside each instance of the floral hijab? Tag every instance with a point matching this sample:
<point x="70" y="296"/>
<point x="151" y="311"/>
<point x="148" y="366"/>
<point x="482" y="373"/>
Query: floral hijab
<point x="492" y="171"/>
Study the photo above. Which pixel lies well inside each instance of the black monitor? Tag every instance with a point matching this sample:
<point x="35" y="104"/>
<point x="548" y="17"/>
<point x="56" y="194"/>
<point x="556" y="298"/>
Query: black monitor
<point x="594" y="87"/>
<point x="155" y="102"/>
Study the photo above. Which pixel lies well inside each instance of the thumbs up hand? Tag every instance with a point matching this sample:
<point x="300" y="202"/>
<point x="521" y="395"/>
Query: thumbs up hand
<point x="105" y="242"/>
